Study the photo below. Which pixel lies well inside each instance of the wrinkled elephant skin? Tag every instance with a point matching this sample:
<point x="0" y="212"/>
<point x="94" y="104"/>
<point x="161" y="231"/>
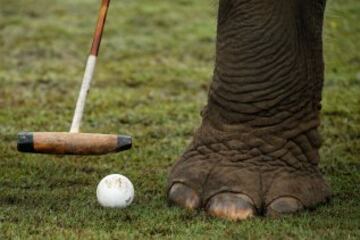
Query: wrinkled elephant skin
<point x="257" y="149"/>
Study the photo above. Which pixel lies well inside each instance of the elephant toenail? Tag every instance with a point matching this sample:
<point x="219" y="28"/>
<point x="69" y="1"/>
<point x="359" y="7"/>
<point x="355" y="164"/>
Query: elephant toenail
<point x="283" y="205"/>
<point x="184" y="196"/>
<point x="231" y="206"/>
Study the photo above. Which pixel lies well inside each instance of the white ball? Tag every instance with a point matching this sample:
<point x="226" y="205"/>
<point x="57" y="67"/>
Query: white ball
<point x="115" y="191"/>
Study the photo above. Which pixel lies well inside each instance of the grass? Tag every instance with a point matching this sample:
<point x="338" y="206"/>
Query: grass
<point x="151" y="82"/>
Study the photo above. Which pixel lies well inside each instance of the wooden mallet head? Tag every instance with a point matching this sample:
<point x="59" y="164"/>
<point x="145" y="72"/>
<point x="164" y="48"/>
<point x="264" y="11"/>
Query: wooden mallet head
<point x="72" y="143"/>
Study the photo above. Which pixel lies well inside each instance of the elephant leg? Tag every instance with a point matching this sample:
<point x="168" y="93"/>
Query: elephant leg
<point x="256" y="151"/>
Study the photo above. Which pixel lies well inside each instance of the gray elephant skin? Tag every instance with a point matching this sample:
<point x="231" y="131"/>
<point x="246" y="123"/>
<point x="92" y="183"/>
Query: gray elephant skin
<point x="257" y="149"/>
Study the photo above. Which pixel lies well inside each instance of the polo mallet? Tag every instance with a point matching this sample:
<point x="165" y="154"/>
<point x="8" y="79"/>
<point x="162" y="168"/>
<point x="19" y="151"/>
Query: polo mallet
<point x="74" y="142"/>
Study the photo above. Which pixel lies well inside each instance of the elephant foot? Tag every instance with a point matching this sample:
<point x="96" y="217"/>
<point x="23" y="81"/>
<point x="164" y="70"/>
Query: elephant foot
<point x="230" y="178"/>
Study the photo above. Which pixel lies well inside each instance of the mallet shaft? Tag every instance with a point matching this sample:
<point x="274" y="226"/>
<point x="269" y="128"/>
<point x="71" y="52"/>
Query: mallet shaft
<point x="99" y="27"/>
<point x="90" y="67"/>
<point x="80" y="104"/>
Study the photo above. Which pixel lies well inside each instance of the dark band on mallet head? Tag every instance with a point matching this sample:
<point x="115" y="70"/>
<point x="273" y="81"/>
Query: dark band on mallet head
<point x="25" y="142"/>
<point x="123" y="143"/>
<point x="72" y="143"/>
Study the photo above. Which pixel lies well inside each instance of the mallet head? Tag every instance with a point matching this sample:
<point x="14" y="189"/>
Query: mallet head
<point x="72" y="143"/>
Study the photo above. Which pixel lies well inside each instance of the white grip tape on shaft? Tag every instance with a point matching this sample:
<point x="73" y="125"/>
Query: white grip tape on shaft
<point x="80" y="104"/>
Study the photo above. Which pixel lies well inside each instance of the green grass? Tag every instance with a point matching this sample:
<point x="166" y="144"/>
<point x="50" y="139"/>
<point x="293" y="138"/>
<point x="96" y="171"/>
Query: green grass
<point x="151" y="82"/>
